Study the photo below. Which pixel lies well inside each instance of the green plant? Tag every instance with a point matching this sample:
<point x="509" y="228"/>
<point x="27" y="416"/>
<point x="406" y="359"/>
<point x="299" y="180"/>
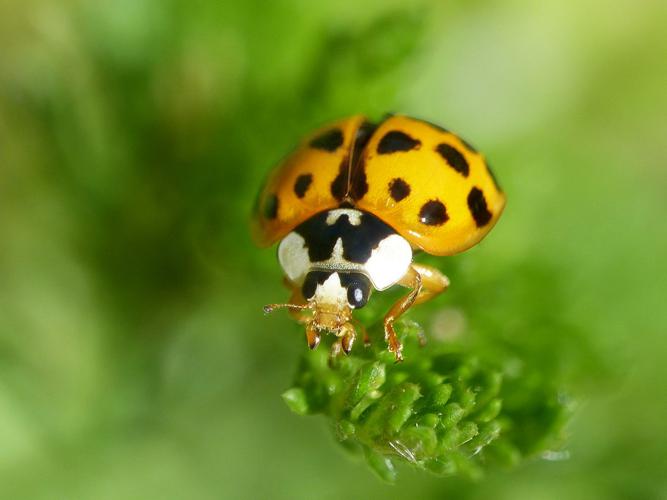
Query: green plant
<point x="444" y="409"/>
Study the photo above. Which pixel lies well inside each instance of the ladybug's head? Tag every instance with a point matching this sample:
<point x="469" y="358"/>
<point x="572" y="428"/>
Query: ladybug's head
<point x="331" y="296"/>
<point x="343" y="289"/>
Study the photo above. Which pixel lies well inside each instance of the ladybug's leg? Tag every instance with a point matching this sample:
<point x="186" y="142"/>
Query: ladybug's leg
<point x="346" y="338"/>
<point x="412" y="279"/>
<point x="312" y="336"/>
<point x="303" y="316"/>
<point x="296" y="297"/>
<point x="426" y="282"/>
<point x="433" y="283"/>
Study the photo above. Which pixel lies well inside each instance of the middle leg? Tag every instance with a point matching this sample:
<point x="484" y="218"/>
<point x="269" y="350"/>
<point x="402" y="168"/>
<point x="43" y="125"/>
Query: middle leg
<point x="426" y="283"/>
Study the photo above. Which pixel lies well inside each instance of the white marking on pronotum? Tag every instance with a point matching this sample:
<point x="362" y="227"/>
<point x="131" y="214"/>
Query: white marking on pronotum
<point x="389" y="262"/>
<point x="354" y="216"/>
<point x="293" y="257"/>
<point x="337" y="253"/>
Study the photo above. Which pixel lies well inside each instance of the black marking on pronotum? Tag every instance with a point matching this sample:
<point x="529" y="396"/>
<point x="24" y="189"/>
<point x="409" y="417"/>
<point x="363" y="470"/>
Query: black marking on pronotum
<point x="358" y="180"/>
<point x="399" y="189"/>
<point x="454" y="158"/>
<point x="270" y="209"/>
<point x="433" y="213"/>
<point x="302" y="184"/>
<point x="328" y="141"/>
<point x="339" y="184"/>
<point x="358" y="241"/>
<point x="395" y="141"/>
<point x="478" y="208"/>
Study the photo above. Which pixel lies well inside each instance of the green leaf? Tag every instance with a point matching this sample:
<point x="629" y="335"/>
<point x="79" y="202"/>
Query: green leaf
<point x="295" y="398"/>
<point x="381" y="465"/>
<point x="442" y="410"/>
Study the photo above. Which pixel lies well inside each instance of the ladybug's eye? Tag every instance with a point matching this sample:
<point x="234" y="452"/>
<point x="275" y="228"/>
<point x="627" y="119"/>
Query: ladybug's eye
<point x="309" y="286"/>
<point x="357" y="296"/>
<point x="357" y="292"/>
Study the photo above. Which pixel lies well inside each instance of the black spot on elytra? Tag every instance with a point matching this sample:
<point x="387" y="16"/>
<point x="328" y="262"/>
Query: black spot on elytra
<point x="433" y="213"/>
<point x="358" y="241"/>
<point x="454" y="158"/>
<point x="270" y="209"/>
<point x="364" y="133"/>
<point x="339" y="184"/>
<point x="395" y="141"/>
<point x="359" y="182"/>
<point x="478" y="208"/>
<point x="302" y="184"/>
<point x="359" y="186"/>
<point x="399" y="189"/>
<point x="328" y="141"/>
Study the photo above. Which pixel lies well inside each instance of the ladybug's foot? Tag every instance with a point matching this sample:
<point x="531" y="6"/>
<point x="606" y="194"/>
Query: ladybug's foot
<point x="347" y="340"/>
<point x="392" y="340"/>
<point x="312" y="337"/>
<point x="346" y="337"/>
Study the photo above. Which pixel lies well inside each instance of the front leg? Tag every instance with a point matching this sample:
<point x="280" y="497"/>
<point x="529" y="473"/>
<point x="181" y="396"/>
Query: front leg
<point x="346" y="337"/>
<point x="303" y="315"/>
<point x="425" y="282"/>
<point x="296" y="297"/>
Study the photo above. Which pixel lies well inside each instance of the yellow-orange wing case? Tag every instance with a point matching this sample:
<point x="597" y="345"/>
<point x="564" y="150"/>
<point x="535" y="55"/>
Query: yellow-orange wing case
<point x="313" y="178"/>
<point x="428" y="184"/>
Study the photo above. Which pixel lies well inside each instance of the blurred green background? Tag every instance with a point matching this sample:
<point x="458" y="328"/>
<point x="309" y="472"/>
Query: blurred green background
<point x="135" y="361"/>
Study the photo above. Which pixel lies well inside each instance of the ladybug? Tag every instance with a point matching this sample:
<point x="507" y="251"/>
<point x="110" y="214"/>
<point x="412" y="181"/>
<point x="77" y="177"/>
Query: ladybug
<point x="353" y="203"/>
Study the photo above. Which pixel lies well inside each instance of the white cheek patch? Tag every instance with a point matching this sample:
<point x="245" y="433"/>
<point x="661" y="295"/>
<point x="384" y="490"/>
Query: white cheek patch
<point x="293" y="257"/>
<point x="331" y="291"/>
<point x="389" y="262"/>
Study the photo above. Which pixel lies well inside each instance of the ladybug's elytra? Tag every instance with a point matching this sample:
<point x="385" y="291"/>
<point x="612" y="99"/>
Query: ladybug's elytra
<point x="354" y="200"/>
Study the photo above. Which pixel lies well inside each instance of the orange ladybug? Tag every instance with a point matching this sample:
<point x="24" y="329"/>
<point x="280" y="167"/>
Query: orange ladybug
<point x="354" y="200"/>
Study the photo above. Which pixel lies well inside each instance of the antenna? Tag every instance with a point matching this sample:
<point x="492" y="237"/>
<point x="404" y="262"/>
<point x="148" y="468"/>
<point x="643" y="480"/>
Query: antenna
<point x="269" y="308"/>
